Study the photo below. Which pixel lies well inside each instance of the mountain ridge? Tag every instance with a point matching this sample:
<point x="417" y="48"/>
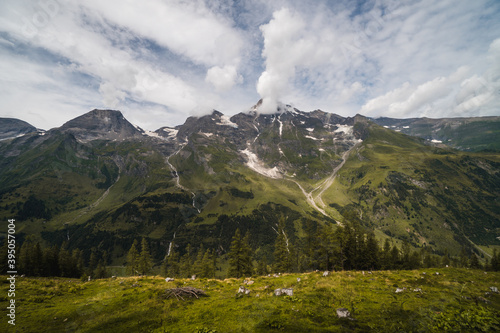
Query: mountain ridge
<point x="101" y="184"/>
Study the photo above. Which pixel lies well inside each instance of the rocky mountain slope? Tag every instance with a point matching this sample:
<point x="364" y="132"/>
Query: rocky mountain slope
<point x="469" y="134"/>
<point x="99" y="181"/>
<point x="12" y="128"/>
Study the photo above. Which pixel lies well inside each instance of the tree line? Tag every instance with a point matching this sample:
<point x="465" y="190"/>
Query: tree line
<point x="348" y="247"/>
<point x="33" y="260"/>
<point x="344" y="248"/>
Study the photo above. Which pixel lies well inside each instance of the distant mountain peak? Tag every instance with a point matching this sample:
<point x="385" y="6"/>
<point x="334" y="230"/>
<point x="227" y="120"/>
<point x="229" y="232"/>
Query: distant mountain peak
<point x="11" y="128"/>
<point x="101" y="124"/>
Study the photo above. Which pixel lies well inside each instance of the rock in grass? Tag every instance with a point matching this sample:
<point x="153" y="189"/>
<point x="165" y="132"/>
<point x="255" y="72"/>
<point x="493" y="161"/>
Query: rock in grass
<point x="494" y="289"/>
<point x="325" y="273"/>
<point x="399" y="290"/>
<point x="169" y="279"/>
<point x="243" y="290"/>
<point x="283" y="291"/>
<point x="343" y="313"/>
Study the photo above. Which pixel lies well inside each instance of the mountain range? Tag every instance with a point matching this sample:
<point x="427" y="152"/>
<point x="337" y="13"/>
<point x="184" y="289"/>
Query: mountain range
<point x="100" y="181"/>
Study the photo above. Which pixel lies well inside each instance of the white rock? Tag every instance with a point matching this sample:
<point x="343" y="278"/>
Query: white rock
<point x="343" y="313"/>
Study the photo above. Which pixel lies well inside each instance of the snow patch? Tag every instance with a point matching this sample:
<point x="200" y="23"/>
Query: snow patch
<point x="206" y="134"/>
<point x="309" y="129"/>
<point x="386" y="127"/>
<point x="225" y="121"/>
<point x="258" y="166"/>
<point x="152" y="134"/>
<point x="313" y="138"/>
<point x="171" y="131"/>
<point x="281" y="125"/>
<point x="406" y="127"/>
<point x="436" y="141"/>
<point x="344" y="128"/>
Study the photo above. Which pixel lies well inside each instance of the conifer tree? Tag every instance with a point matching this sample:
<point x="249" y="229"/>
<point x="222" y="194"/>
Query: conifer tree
<point x="240" y="258"/>
<point x="395" y="258"/>
<point x="474" y="262"/>
<point x="93" y="261"/>
<point x="283" y="253"/>
<point x="386" y="255"/>
<point x="185" y="266"/>
<point x="145" y="261"/>
<point x="132" y="259"/>
<point x="198" y="263"/>
<point x="495" y="261"/>
<point x="371" y="257"/>
<point x="170" y="265"/>
<point x="208" y="264"/>
<point x="51" y="261"/>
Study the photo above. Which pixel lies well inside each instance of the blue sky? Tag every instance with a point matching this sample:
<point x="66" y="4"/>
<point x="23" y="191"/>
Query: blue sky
<point x="160" y="61"/>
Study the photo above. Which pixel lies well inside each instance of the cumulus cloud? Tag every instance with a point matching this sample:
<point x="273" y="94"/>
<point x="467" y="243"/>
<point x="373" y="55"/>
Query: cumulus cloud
<point x="170" y="59"/>
<point x="223" y="78"/>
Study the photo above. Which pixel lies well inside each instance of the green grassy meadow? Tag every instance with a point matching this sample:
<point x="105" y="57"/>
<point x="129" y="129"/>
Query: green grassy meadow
<point x="455" y="300"/>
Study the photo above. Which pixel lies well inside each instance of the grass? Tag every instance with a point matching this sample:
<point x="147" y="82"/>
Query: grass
<point x="458" y="298"/>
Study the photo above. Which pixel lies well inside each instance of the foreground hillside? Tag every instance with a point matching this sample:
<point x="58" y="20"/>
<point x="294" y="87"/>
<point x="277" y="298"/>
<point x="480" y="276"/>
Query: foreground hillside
<point x="427" y="301"/>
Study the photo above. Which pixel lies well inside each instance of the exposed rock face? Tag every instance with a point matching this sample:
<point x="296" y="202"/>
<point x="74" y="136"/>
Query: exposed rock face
<point x="11" y="128"/>
<point x="101" y="124"/>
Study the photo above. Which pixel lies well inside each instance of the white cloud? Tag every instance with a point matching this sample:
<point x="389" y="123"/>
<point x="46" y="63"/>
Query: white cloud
<point x="179" y="57"/>
<point x="223" y="78"/>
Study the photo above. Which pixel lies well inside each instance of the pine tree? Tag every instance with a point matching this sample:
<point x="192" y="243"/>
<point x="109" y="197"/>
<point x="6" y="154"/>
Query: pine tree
<point x="385" y="260"/>
<point x="101" y="272"/>
<point x="93" y="261"/>
<point x="283" y="250"/>
<point x="66" y="263"/>
<point x="25" y="264"/>
<point x="395" y="258"/>
<point x="37" y="259"/>
<point x="405" y="255"/>
<point x="474" y="262"/>
<point x="371" y="252"/>
<point x="132" y="259"/>
<point x="51" y="261"/>
<point x="240" y="259"/>
<point x="495" y="261"/>
<point x="185" y="264"/>
<point x="208" y="264"/>
<point x="172" y="264"/>
<point x="198" y="263"/>
<point x="145" y="261"/>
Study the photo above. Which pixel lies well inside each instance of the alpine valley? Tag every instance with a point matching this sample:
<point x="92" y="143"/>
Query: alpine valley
<point x="100" y="182"/>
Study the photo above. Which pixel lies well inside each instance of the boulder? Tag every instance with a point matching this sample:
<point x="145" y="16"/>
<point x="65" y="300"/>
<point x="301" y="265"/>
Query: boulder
<point x="169" y="279"/>
<point x="243" y="290"/>
<point x="494" y="289"/>
<point x="283" y="291"/>
<point x="298" y="279"/>
<point x="343" y="313"/>
<point x="325" y="273"/>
